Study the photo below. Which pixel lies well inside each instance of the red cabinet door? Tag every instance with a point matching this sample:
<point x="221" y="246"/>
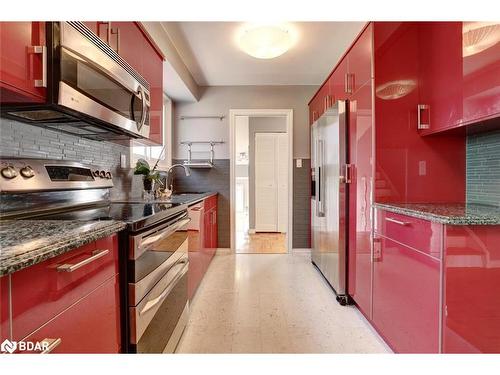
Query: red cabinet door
<point x="409" y="167"/>
<point x="42" y="291"/>
<point x="471" y="295"/>
<point x="92" y="325"/>
<point x="214" y="231"/>
<point x="360" y="60"/>
<point x="360" y="135"/>
<point x="440" y="75"/>
<point x="338" y="81"/>
<point x="481" y="70"/>
<point x="4" y="308"/>
<point x="152" y="71"/>
<point x="20" y="67"/>
<point x="131" y="39"/>
<point x="406" y="297"/>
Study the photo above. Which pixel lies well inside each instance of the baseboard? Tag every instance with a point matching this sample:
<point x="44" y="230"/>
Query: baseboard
<point x="301" y="251"/>
<point x="252" y="231"/>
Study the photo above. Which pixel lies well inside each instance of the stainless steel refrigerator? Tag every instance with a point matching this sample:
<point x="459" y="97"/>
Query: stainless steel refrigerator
<point x="329" y="197"/>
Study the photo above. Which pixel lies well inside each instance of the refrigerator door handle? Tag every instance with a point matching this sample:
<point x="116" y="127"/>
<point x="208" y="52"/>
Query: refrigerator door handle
<point x="320" y="206"/>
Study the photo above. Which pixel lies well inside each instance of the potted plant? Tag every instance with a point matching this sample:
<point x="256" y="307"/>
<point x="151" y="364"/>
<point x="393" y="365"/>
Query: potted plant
<point x="150" y="176"/>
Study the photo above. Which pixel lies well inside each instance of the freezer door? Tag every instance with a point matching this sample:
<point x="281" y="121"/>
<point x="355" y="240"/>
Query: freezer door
<point x="315" y="219"/>
<point x="329" y="252"/>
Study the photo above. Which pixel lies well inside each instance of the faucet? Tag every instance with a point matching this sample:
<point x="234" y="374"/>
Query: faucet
<point x="187" y="171"/>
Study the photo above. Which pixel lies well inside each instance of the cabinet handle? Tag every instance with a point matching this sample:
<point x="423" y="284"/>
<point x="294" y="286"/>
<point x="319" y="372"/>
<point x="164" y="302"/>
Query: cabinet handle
<point x="215" y="217"/>
<point x="108" y="30"/>
<point x="72" y="267"/>
<point x="116" y="31"/>
<point x="399" y="222"/>
<point x="348" y="173"/>
<point x="52" y="344"/>
<point x="377" y="249"/>
<point x="420" y="108"/>
<point x="43" y="51"/>
<point x="348" y="83"/>
<point x="314" y="115"/>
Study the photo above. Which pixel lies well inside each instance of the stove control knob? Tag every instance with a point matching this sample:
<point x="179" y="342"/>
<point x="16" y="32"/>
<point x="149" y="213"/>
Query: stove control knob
<point x="102" y="174"/>
<point x="95" y="173"/>
<point x="108" y="175"/>
<point x="27" y="172"/>
<point x="9" y="172"/>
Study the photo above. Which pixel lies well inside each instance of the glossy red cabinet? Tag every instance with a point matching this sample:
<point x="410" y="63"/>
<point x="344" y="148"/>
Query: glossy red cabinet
<point x="481" y="70"/>
<point x="21" y="62"/>
<point x="360" y="134"/>
<point x="409" y="167"/>
<point x="130" y="39"/>
<point x="4" y="308"/>
<point x="471" y="322"/>
<point x="359" y="60"/>
<point x="406" y="297"/>
<point x="92" y="325"/>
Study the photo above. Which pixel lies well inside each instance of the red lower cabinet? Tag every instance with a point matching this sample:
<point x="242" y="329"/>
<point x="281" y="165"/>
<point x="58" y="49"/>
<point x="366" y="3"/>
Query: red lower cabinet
<point x="73" y="297"/>
<point x="471" y="322"/>
<point x="92" y="325"/>
<point x="4" y="308"/>
<point x="406" y="297"/>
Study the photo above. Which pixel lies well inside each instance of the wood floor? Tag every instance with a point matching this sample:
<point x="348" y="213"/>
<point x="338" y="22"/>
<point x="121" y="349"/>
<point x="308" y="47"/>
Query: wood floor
<point x="260" y="243"/>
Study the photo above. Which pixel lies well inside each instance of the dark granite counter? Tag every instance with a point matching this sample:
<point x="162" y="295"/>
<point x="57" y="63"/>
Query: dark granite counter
<point x="447" y="213"/>
<point x="182" y="198"/>
<point x="24" y="243"/>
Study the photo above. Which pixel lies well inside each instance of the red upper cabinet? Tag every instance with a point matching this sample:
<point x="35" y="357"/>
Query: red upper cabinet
<point x="152" y="71"/>
<point x="440" y="76"/>
<point x="359" y="60"/>
<point x="360" y="135"/>
<point x="409" y="167"/>
<point x="126" y="38"/>
<point x="22" y="62"/>
<point x="471" y="322"/>
<point x="339" y="80"/>
<point x="481" y="70"/>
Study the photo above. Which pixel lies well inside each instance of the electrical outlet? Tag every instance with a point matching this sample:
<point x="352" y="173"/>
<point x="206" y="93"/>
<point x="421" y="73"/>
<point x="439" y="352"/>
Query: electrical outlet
<point x="123" y="161"/>
<point x="299" y="163"/>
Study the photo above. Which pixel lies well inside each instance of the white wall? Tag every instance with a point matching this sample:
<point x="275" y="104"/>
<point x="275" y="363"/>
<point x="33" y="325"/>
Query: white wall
<point x="218" y="100"/>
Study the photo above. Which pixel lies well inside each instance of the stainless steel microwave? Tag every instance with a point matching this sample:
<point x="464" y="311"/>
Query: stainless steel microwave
<point x="91" y="91"/>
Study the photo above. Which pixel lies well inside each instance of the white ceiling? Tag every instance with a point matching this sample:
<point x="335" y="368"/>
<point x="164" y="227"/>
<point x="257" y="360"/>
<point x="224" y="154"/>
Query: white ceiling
<point x="210" y="52"/>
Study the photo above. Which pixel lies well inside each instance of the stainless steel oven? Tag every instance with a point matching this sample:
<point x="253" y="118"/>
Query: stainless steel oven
<point x="158" y="287"/>
<point x="91" y="91"/>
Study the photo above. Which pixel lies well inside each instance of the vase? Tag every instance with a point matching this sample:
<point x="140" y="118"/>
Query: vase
<point x="147" y="193"/>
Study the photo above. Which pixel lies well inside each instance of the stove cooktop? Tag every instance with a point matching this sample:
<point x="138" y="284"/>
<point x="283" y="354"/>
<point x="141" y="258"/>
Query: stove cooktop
<point x="136" y="215"/>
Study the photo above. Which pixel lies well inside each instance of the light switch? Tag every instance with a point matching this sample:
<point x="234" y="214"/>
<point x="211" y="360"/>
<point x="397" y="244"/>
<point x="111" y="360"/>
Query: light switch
<point x="299" y="163"/>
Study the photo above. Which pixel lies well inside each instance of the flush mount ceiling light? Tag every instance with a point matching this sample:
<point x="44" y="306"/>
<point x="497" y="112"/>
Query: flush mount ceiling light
<point x="479" y="36"/>
<point x="265" y="41"/>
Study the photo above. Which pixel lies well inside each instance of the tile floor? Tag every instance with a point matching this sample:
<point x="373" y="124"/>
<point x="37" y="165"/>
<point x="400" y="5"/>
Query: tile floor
<point x="272" y="303"/>
<point x="260" y="243"/>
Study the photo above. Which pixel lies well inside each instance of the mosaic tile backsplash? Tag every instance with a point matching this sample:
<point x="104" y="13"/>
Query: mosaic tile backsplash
<point x="483" y="168"/>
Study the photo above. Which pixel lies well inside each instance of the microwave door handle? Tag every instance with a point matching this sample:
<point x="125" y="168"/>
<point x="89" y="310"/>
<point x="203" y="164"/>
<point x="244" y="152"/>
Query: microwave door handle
<point x="144" y="110"/>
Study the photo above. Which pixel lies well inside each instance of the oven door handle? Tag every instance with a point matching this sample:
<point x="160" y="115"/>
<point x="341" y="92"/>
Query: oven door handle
<point x="184" y="263"/>
<point x="146" y="241"/>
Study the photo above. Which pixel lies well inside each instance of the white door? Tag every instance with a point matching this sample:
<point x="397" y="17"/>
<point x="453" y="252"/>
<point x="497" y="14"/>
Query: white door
<point x="282" y="163"/>
<point x="266" y="200"/>
<point x="271" y="182"/>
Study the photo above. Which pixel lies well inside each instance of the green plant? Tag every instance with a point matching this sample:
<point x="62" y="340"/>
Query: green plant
<point x="142" y="168"/>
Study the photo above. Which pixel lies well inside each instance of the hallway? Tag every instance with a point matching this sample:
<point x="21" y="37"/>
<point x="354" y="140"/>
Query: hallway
<point x="272" y="303"/>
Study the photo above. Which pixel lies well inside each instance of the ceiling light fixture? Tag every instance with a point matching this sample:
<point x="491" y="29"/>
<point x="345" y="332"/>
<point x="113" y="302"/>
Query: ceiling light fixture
<point x="266" y="41"/>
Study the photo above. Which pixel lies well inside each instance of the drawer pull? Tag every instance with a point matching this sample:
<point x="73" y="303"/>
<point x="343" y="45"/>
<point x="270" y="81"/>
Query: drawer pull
<point x="52" y="344"/>
<point x="399" y="222"/>
<point x="72" y="267"/>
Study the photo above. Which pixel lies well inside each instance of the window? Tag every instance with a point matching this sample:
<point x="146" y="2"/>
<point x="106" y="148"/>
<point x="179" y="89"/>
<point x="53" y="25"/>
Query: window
<point x="152" y="153"/>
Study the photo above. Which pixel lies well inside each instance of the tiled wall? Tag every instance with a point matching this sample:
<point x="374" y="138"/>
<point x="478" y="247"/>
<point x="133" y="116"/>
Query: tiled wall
<point x="218" y="179"/>
<point x="18" y="139"/>
<point x="483" y="168"/>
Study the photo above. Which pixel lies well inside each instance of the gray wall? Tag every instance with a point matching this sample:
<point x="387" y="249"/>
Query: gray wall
<point x="302" y="204"/>
<point x="214" y="179"/>
<point x="218" y="100"/>
<point x="259" y="125"/>
<point x="18" y="139"/>
<point x="483" y="168"/>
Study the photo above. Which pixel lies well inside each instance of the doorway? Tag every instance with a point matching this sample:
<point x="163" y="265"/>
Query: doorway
<point x="261" y="180"/>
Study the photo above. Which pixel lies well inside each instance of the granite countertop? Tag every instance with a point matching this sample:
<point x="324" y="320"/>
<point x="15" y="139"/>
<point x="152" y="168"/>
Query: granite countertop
<point x="447" y="213"/>
<point x="181" y="198"/>
<point x="24" y="243"/>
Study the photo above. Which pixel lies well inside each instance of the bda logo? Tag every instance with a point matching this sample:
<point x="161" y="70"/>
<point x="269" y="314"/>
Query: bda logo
<point x="8" y="346"/>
